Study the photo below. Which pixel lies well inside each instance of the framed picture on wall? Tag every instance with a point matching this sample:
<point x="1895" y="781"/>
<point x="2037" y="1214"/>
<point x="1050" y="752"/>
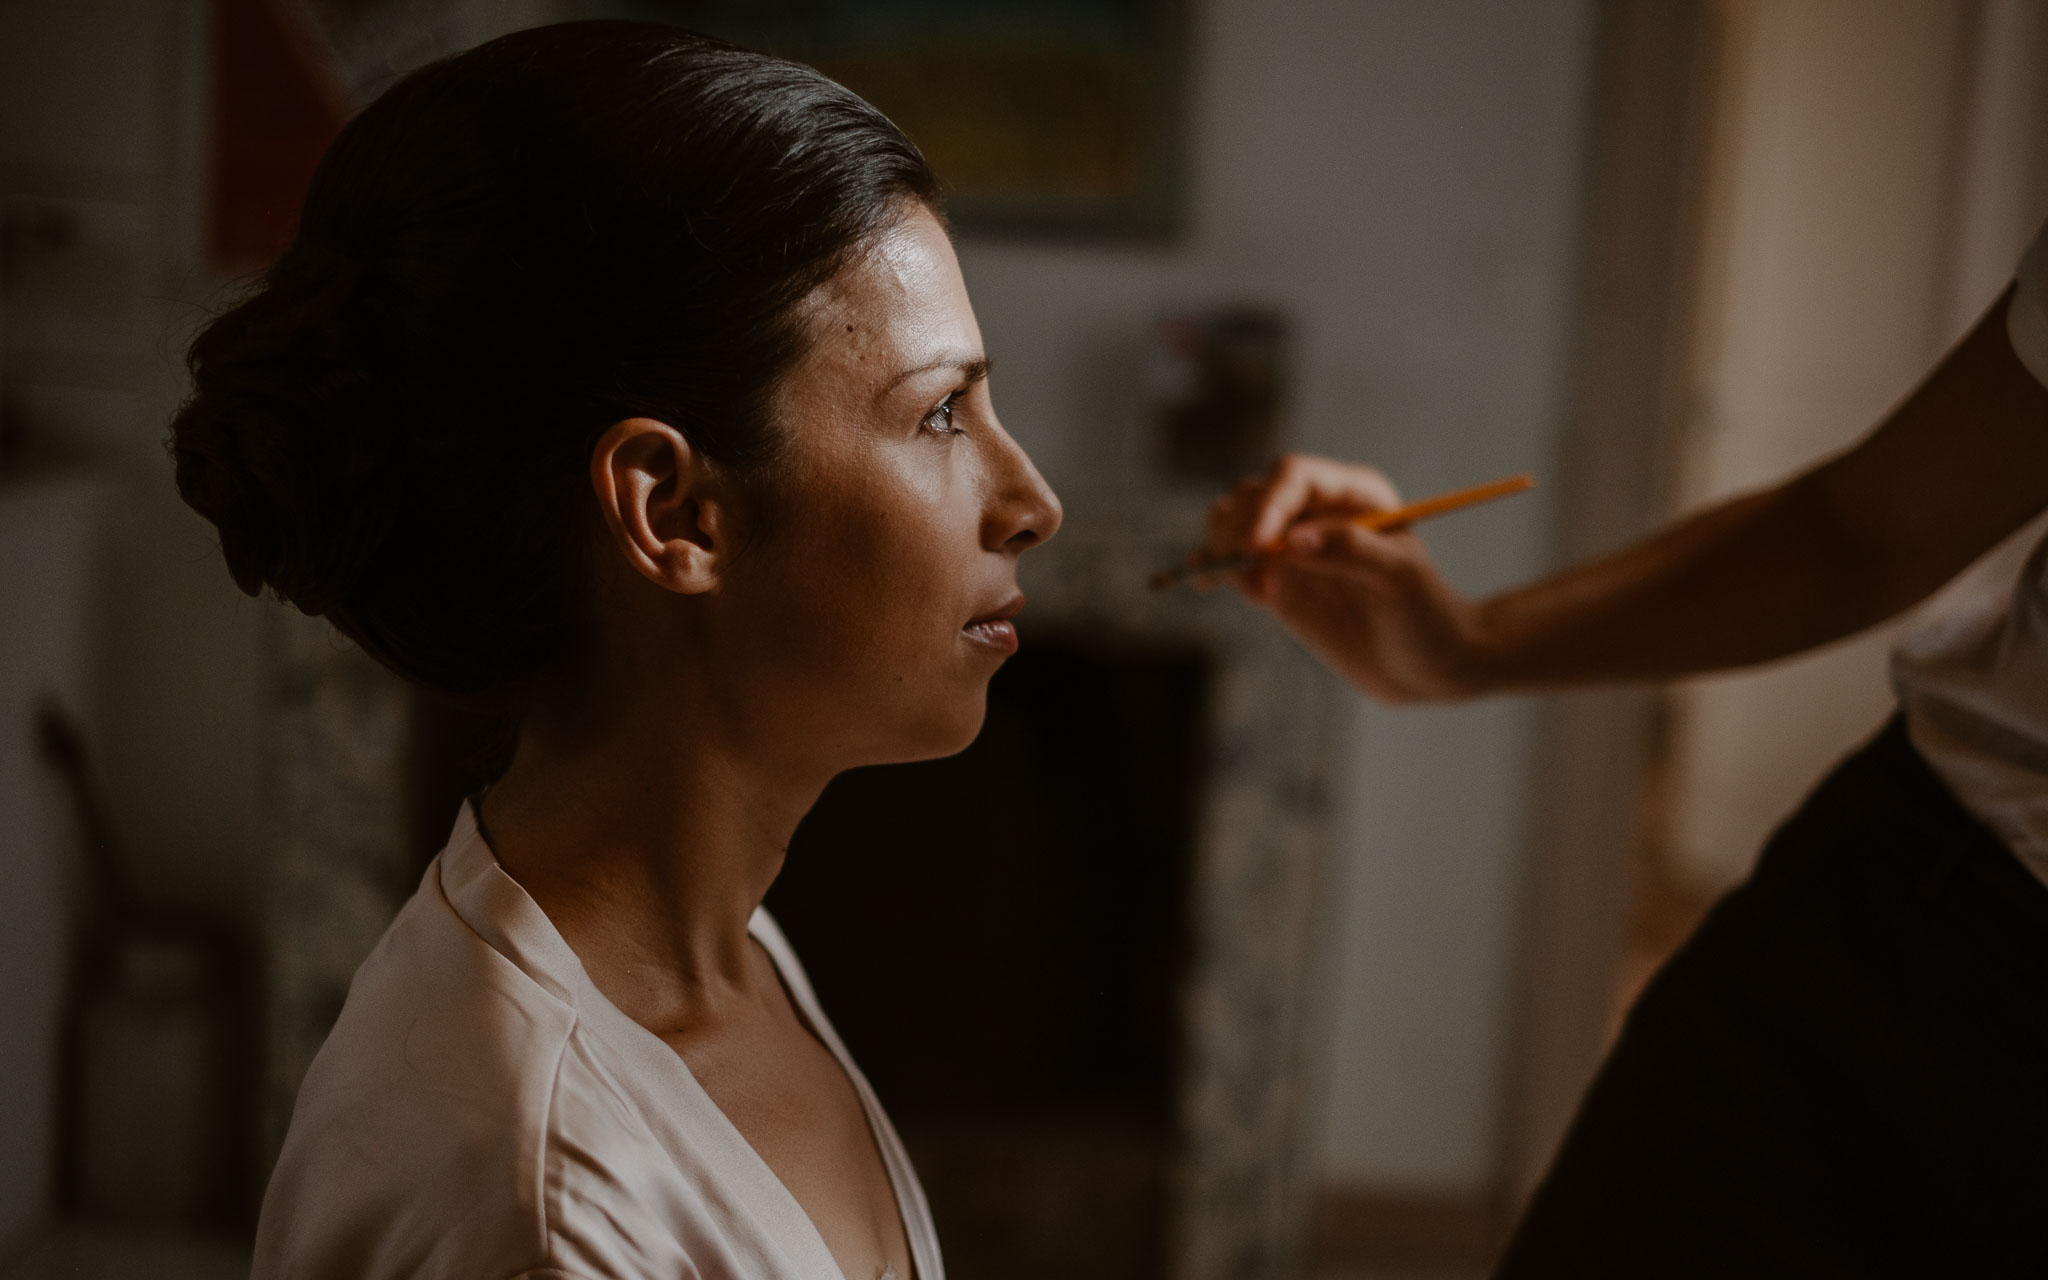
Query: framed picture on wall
<point x="1042" y="117"/>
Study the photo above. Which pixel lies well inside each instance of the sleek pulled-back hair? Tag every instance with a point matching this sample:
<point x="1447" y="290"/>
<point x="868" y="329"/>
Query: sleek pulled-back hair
<point x="505" y="253"/>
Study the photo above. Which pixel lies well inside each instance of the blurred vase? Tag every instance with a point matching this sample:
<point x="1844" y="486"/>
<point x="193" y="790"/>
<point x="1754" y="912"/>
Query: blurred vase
<point x="1218" y="381"/>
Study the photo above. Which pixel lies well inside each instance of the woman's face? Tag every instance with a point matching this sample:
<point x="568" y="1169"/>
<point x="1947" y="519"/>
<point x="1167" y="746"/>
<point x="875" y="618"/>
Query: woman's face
<point x="879" y="597"/>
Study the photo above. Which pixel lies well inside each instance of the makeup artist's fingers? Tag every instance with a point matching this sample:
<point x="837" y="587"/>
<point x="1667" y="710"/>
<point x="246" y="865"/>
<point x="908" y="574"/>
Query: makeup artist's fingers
<point x="1375" y="560"/>
<point x="1229" y="515"/>
<point x="1301" y="486"/>
<point x="1257" y="514"/>
<point x="1232" y="515"/>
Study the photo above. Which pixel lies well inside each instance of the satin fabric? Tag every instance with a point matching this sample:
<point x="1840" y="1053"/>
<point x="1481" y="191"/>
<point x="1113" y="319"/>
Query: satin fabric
<point x="480" y="1110"/>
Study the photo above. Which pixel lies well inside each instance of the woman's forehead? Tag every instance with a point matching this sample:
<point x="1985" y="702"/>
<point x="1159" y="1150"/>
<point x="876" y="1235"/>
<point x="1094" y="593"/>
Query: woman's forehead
<point x="899" y="306"/>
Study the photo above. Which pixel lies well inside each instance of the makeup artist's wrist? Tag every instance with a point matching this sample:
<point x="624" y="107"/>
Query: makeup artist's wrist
<point x="1485" y="659"/>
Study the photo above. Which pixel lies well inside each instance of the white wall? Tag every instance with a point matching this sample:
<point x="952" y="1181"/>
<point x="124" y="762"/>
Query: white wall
<point x="1403" y="178"/>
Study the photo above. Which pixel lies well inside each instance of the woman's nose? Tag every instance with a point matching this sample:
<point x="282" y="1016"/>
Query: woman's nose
<point x="1022" y="509"/>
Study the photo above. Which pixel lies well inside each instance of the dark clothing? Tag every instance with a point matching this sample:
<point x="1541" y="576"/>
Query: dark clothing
<point x="1843" y="1073"/>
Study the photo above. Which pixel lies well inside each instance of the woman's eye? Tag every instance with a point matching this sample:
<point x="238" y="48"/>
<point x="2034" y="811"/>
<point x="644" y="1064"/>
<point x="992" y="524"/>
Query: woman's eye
<point x="940" y="420"/>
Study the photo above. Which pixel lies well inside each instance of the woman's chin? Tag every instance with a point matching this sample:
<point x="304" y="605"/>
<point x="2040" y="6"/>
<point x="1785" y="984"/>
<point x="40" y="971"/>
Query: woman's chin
<point x="944" y="731"/>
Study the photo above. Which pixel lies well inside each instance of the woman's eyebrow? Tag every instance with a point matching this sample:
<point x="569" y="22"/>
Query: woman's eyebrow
<point x="972" y="369"/>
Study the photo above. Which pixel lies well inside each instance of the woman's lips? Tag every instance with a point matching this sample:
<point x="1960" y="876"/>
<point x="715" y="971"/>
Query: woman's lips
<point x="997" y="633"/>
<point x="995" y="629"/>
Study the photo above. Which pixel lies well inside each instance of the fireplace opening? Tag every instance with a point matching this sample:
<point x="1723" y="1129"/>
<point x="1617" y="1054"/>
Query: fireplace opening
<point x="998" y="937"/>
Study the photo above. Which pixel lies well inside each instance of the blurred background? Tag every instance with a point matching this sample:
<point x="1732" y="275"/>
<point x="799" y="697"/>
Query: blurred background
<point x="1282" y="984"/>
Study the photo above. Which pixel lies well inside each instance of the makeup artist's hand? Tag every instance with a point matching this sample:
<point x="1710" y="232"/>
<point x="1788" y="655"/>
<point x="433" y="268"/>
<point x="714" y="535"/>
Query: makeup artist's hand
<point x="1371" y="605"/>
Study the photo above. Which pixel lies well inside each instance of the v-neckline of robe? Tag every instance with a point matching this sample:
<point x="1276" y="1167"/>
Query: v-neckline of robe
<point x="539" y="949"/>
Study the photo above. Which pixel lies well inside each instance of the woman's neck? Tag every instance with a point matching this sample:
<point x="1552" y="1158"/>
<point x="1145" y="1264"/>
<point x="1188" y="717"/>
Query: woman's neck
<point x="648" y="843"/>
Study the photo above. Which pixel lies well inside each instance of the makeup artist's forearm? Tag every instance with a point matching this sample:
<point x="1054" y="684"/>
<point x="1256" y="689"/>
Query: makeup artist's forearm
<point x="1962" y="462"/>
<point x="1756" y="578"/>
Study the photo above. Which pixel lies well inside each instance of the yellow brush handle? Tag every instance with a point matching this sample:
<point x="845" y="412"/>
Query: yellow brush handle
<point x="1445" y="502"/>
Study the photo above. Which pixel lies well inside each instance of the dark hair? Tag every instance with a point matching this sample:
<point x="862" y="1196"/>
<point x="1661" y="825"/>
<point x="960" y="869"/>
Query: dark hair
<point x="508" y="251"/>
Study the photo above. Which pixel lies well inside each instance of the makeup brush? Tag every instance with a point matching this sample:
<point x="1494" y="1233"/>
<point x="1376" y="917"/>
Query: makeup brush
<point x="1374" y="520"/>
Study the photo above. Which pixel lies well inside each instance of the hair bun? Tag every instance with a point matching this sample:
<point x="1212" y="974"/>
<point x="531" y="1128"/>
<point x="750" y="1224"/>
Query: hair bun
<point x="281" y="445"/>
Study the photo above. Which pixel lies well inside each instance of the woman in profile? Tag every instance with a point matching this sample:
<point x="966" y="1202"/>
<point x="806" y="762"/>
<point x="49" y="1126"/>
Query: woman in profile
<point x="628" y="378"/>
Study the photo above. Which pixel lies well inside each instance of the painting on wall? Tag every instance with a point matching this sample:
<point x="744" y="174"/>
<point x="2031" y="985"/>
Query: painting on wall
<point x="1042" y="117"/>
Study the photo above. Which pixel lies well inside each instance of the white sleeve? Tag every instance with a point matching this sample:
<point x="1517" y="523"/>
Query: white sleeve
<point x="2026" y="317"/>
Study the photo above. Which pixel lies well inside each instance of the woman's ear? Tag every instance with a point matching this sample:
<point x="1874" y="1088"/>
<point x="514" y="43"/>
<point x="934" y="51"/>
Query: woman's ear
<point x="669" y="511"/>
